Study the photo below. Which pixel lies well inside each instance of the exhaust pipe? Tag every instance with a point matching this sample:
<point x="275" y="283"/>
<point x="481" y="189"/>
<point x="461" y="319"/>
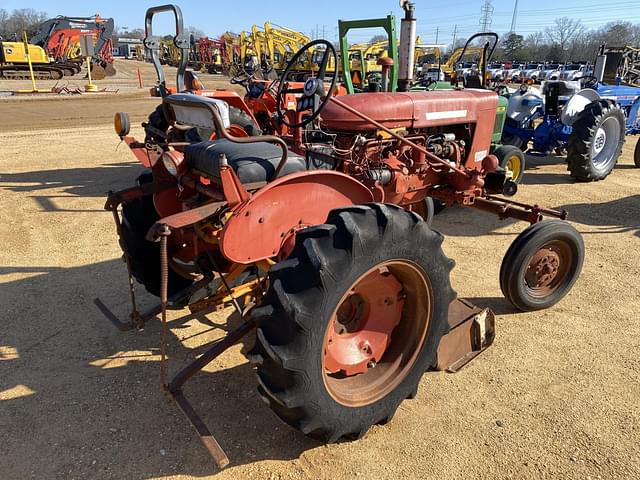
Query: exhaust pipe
<point x="406" y="52"/>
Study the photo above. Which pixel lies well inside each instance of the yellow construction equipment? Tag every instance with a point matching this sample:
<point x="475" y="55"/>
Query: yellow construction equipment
<point x="450" y="66"/>
<point x="271" y="47"/>
<point x="14" y="62"/>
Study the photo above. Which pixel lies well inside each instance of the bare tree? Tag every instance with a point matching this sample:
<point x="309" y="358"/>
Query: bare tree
<point x="616" y="33"/>
<point x="196" y="32"/>
<point x="533" y="46"/>
<point x="635" y="35"/>
<point x="19" y="21"/>
<point x="378" y="38"/>
<point x="562" y="31"/>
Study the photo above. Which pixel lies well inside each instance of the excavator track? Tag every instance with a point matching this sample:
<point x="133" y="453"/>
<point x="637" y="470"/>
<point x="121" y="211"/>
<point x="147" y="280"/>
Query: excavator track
<point x="21" y="72"/>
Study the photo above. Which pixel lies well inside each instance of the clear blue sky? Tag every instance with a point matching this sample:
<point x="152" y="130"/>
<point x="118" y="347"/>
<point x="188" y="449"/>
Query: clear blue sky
<point x="237" y="15"/>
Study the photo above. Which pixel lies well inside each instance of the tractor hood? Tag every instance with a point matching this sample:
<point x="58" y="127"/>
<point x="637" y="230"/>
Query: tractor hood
<point x="622" y="94"/>
<point x="412" y="109"/>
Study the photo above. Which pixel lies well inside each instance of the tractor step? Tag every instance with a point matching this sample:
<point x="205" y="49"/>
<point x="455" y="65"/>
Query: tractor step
<point x="471" y="331"/>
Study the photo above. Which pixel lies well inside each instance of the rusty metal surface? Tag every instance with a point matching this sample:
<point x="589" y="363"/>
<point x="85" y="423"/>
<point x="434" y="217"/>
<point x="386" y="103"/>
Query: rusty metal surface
<point x="376" y="124"/>
<point x="174" y="388"/>
<point x="114" y="199"/>
<point x="419" y="110"/>
<point x="208" y="440"/>
<point x="183" y="219"/>
<point x="260" y="226"/>
<point x="472" y="331"/>
<point x="509" y="209"/>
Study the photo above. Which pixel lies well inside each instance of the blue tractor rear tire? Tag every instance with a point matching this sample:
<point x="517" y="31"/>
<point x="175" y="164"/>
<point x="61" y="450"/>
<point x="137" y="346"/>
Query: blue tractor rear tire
<point x="596" y="141"/>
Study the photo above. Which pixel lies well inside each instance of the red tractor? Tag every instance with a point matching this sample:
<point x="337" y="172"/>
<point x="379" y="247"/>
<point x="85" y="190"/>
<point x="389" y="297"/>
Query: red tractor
<point x="318" y="250"/>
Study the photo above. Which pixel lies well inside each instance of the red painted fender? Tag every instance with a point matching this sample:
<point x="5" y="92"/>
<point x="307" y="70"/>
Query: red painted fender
<point x="258" y="229"/>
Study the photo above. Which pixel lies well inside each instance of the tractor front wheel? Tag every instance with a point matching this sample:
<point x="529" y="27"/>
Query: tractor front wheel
<point x="636" y="154"/>
<point x="512" y="160"/>
<point x="541" y="265"/>
<point x="351" y="321"/>
<point x="426" y="208"/>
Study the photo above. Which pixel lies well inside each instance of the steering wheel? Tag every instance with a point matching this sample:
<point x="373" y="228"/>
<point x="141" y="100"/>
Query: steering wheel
<point x="588" y="81"/>
<point x="243" y="79"/>
<point x="314" y="97"/>
<point x="502" y="90"/>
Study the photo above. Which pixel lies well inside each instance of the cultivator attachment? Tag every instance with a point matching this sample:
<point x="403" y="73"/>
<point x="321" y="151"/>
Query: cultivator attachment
<point x="471" y="331"/>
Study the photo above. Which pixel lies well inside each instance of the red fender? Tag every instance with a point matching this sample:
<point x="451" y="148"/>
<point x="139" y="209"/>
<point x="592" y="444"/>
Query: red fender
<point x="261" y="226"/>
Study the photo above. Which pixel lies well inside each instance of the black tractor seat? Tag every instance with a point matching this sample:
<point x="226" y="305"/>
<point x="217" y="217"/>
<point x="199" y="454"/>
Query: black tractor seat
<point x="252" y="162"/>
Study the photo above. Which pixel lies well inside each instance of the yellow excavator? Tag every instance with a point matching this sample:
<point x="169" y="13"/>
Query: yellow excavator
<point x="230" y="52"/>
<point x="449" y="67"/>
<point x="14" y="63"/>
<point x="370" y="53"/>
<point x="273" y="47"/>
<point x="169" y="53"/>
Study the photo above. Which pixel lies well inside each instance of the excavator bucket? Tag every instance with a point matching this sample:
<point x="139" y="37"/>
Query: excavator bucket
<point x="97" y="71"/>
<point x="109" y="69"/>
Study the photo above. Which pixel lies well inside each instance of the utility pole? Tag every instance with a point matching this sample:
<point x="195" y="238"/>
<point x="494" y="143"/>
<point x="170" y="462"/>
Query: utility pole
<point x="455" y="31"/>
<point x="323" y="32"/>
<point x="437" y="32"/>
<point x="513" y="19"/>
<point x="486" y="11"/>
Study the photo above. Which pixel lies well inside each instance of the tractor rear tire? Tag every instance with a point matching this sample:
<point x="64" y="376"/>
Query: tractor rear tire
<point x="596" y="141"/>
<point x="308" y="293"/>
<point x="511" y="159"/>
<point x="144" y="256"/>
<point x="509" y="139"/>
<point x="541" y="265"/>
<point x="244" y="120"/>
<point x="636" y="154"/>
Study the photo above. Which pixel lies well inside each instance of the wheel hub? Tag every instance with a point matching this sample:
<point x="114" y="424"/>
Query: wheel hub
<point x="513" y="166"/>
<point x="548" y="268"/>
<point x="543" y="268"/>
<point x="310" y="86"/>
<point x="362" y="325"/>
<point x="600" y="140"/>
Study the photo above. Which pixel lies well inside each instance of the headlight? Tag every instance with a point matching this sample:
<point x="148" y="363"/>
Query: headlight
<point x="121" y="123"/>
<point x="172" y="162"/>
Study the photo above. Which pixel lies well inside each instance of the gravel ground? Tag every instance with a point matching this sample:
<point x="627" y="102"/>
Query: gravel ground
<point x="555" y="397"/>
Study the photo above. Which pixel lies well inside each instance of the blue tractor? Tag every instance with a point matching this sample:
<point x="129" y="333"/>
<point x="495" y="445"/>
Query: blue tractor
<point x="584" y="119"/>
<point x="618" y="69"/>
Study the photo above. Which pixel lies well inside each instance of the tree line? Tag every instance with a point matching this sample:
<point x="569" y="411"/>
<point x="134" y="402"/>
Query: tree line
<point x="20" y="20"/>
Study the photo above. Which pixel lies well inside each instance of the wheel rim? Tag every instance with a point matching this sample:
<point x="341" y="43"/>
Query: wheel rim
<point x="605" y="144"/>
<point x="548" y="268"/>
<point x="514" y="165"/>
<point x="376" y="332"/>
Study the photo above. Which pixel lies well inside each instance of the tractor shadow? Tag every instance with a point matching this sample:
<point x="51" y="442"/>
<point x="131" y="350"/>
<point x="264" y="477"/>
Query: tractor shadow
<point x="616" y="216"/>
<point x="80" y="399"/>
<point x="464" y="222"/>
<point x="47" y="186"/>
<point x="535" y="175"/>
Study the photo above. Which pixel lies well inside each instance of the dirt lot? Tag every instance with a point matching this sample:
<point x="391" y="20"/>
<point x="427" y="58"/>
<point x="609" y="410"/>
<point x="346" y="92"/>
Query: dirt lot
<point x="555" y="397"/>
